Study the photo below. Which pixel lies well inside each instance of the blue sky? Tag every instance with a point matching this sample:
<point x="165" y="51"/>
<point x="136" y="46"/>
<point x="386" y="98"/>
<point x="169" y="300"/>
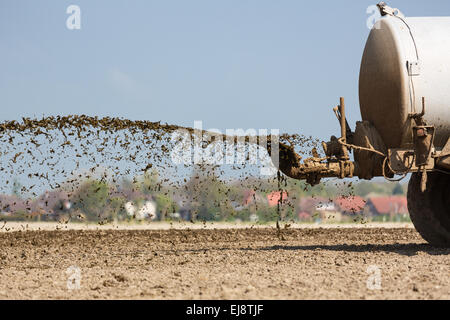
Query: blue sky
<point x="232" y="64"/>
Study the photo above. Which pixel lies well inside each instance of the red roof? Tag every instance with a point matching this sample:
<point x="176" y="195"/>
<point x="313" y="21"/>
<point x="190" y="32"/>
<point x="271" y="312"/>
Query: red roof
<point x="309" y="204"/>
<point x="391" y="204"/>
<point x="350" y="204"/>
<point x="304" y="215"/>
<point x="274" y="197"/>
<point x="249" y="196"/>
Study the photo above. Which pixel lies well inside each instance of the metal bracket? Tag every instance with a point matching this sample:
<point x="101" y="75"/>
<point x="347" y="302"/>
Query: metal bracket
<point x="403" y="160"/>
<point x="418" y="117"/>
<point x="423" y="137"/>
<point x="413" y="68"/>
<point x="386" y="10"/>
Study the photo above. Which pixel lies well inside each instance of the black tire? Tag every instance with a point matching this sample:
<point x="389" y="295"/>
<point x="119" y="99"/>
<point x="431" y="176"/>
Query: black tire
<point x="430" y="210"/>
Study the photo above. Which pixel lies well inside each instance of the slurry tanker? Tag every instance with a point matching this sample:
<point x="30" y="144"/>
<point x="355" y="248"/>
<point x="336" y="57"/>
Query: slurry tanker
<point x="404" y="97"/>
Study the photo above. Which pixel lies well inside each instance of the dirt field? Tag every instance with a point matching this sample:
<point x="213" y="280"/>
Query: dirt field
<point x="252" y="263"/>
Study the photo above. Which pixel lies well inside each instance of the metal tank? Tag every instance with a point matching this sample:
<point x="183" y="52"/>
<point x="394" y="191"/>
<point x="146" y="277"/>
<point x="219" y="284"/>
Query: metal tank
<point x="404" y="60"/>
<point x="404" y="93"/>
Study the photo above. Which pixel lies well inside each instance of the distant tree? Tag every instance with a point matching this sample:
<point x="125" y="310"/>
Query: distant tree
<point x="16" y="188"/>
<point x="165" y="205"/>
<point x="398" y="189"/>
<point x="209" y="197"/>
<point x="92" y="199"/>
<point x="148" y="183"/>
<point x="363" y="188"/>
<point x="117" y="208"/>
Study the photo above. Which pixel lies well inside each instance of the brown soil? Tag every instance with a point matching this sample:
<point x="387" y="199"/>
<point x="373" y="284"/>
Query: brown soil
<point x="223" y="264"/>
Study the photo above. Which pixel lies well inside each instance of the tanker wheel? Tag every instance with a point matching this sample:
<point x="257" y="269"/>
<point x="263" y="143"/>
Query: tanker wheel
<point x="430" y="210"/>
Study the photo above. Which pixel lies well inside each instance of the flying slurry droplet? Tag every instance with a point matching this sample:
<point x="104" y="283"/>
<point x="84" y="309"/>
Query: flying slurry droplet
<point x="122" y="160"/>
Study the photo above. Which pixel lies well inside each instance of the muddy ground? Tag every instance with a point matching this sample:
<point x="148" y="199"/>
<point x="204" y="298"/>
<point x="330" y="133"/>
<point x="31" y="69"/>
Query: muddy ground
<point x="252" y="263"/>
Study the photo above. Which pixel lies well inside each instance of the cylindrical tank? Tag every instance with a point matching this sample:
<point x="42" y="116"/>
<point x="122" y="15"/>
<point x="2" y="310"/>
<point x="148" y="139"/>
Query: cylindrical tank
<point x="404" y="60"/>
